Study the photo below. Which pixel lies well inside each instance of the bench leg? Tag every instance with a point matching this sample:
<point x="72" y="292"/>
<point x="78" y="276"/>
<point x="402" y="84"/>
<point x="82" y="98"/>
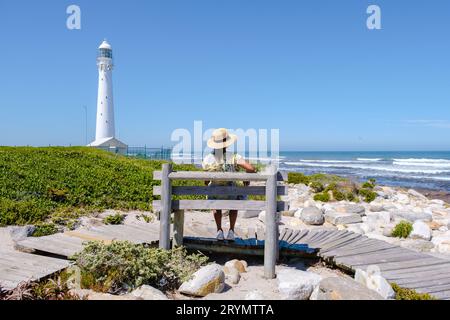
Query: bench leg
<point x="271" y="242"/>
<point x="166" y="207"/>
<point x="178" y="227"/>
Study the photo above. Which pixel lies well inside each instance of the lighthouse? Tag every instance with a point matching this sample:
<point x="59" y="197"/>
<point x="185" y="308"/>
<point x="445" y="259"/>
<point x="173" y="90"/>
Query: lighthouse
<point x="105" y="132"/>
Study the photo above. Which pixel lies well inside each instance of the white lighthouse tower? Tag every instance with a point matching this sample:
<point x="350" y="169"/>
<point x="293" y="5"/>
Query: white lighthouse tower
<point x="105" y="128"/>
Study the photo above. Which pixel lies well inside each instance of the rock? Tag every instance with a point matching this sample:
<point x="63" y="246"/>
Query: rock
<point x="239" y="265"/>
<point x="209" y="279"/>
<point x="248" y="214"/>
<point x="438" y="202"/>
<point x="356" y="228"/>
<point x="417" y="245"/>
<point x="377" y="283"/>
<point x="402" y="198"/>
<point x="373" y="280"/>
<point x="442" y="242"/>
<point x="342" y="218"/>
<point x="254" y="295"/>
<point x="20" y="233"/>
<point x="361" y="276"/>
<point x="147" y="292"/>
<point x="339" y="288"/>
<point x="312" y="216"/>
<point x="295" y="284"/>
<point x="411" y="216"/>
<point x="289" y="213"/>
<point x="387" y="231"/>
<point x="351" y="208"/>
<point x="234" y="276"/>
<point x="376" y="207"/>
<point x="416" y="194"/>
<point x="262" y="217"/>
<point x="420" y="231"/>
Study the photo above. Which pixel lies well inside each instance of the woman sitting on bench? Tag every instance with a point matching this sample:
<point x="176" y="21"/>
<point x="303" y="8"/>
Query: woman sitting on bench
<point x="221" y="161"/>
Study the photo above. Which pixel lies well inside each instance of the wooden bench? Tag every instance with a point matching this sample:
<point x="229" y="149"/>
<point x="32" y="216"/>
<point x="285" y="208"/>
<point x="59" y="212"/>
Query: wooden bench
<point x="167" y="205"/>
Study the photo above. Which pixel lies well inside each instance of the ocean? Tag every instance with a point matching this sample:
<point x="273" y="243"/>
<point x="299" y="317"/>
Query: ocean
<point x="425" y="170"/>
<point x="419" y="170"/>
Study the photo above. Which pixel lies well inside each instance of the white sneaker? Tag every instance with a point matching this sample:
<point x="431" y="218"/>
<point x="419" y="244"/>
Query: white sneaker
<point x="219" y="235"/>
<point x="230" y="235"/>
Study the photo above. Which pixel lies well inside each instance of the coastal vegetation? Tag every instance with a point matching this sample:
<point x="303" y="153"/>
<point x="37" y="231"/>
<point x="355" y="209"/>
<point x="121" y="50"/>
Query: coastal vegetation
<point x="44" y="229"/>
<point x="334" y="188"/>
<point x="123" y="266"/>
<point x="409" y="294"/>
<point x="402" y="229"/>
<point x="39" y="184"/>
<point x="116" y="218"/>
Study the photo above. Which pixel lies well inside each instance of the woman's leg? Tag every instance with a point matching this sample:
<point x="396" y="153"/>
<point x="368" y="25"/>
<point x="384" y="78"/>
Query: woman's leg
<point x="218" y="218"/>
<point x="233" y="218"/>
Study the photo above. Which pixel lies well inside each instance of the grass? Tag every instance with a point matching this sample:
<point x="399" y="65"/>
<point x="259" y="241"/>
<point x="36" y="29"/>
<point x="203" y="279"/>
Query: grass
<point x="114" y="219"/>
<point x="37" y="184"/>
<point x="409" y="294"/>
<point x="402" y="229"/>
<point x="44" y="229"/>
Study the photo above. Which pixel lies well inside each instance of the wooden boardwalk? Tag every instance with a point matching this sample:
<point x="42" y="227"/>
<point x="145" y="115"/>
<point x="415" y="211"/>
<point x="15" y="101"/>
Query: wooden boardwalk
<point x="346" y="250"/>
<point x="349" y="251"/>
<point x="16" y="267"/>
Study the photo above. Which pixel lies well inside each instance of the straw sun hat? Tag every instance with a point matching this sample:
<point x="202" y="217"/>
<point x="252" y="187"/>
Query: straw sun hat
<point x="220" y="139"/>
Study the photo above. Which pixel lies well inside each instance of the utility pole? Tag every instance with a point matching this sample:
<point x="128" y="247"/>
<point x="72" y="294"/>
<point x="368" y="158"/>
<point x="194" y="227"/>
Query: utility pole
<point x="86" y="125"/>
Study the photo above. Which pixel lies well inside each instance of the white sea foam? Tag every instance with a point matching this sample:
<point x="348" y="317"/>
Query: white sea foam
<point x="424" y="160"/>
<point x="369" y="159"/>
<point x="423" y="164"/>
<point x="388" y="168"/>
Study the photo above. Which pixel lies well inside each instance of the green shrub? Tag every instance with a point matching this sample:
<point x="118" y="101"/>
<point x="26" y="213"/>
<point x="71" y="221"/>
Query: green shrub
<point x="350" y="196"/>
<point x="316" y="186"/>
<point x="121" y="264"/>
<point x="44" y="229"/>
<point x="37" y="183"/>
<point x="338" y="195"/>
<point x="323" y="197"/>
<point x="368" y="195"/>
<point x="409" y="294"/>
<point x="298" y="178"/>
<point x="55" y="288"/>
<point x="114" y="219"/>
<point x="402" y="229"/>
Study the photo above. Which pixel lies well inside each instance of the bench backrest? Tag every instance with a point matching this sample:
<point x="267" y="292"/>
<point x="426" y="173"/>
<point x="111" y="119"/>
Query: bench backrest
<point x="217" y="190"/>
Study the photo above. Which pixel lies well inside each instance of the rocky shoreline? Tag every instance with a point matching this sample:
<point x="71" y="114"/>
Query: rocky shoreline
<point x="429" y="216"/>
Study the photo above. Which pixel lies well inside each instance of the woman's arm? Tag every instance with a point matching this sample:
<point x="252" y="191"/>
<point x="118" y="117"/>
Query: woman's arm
<point x="246" y="166"/>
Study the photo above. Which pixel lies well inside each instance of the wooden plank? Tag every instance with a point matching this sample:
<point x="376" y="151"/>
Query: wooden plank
<point x="376" y="259"/>
<point x="339" y="243"/>
<point x="426" y="281"/>
<point x="331" y="237"/>
<point x="178" y="228"/>
<point x="355" y="252"/>
<point x="50" y="246"/>
<point x="323" y="234"/>
<point x="396" y="266"/>
<point x="219" y="205"/>
<point x="355" y="247"/>
<point x="292" y="236"/>
<point x="411" y="273"/>
<point x="214" y="190"/>
<point x="287" y="234"/>
<point x="299" y="237"/>
<point x="218" y="176"/>
<point x="166" y="207"/>
<point x="272" y="237"/>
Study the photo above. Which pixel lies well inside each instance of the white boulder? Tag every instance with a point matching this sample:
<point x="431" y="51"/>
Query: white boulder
<point x="296" y="284"/>
<point x="209" y="279"/>
<point x="420" y="231"/>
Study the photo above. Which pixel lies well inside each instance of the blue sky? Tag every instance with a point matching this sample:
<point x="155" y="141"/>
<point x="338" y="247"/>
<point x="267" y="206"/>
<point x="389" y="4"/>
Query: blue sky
<point x="310" y="68"/>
